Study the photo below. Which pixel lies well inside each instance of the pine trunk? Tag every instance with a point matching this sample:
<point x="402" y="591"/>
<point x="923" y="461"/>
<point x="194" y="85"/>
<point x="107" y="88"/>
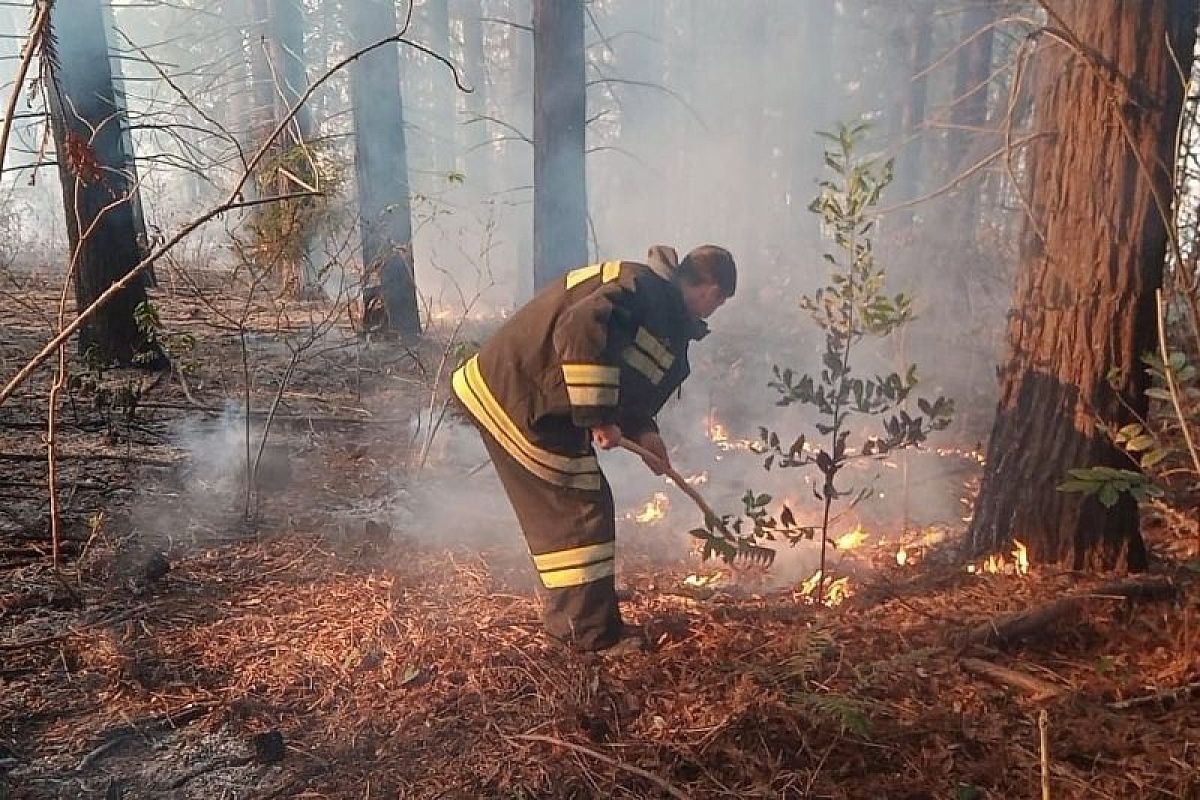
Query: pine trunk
<point x="89" y="126"/>
<point x="474" y="131"/>
<point x="969" y="114"/>
<point x="559" y="110"/>
<point x="1091" y="261"/>
<point x="381" y="168"/>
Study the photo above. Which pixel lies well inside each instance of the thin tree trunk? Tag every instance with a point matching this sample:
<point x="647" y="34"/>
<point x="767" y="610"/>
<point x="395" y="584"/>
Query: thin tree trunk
<point x="88" y="125"/>
<point x="473" y="131"/>
<point x="559" y="116"/>
<point x="815" y="75"/>
<point x="969" y="114"/>
<point x="911" y="162"/>
<point x="441" y="118"/>
<point x="381" y="165"/>
<point x="1091" y="262"/>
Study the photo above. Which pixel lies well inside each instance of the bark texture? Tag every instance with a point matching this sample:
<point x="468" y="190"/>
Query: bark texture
<point x="89" y="128"/>
<point x="559" y="109"/>
<point x="1091" y="261"/>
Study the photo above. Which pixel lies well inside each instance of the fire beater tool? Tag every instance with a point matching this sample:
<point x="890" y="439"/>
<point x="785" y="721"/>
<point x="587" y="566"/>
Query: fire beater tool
<point x="749" y="553"/>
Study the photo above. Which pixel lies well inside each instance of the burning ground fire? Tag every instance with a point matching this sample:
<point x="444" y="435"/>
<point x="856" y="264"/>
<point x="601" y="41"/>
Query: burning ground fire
<point x="718" y="434"/>
<point x="653" y="511"/>
<point x="997" y="564"/>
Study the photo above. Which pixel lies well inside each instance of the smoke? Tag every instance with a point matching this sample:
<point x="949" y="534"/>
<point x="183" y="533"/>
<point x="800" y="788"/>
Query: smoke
<point x="702" y="129"/>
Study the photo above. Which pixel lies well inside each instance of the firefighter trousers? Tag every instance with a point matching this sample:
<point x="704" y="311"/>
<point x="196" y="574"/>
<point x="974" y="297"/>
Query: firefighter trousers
<point x="571" y="535"/>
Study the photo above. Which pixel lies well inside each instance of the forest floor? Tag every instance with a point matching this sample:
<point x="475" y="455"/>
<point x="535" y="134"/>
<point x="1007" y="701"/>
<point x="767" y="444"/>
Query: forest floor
<point x="316" y="649"/>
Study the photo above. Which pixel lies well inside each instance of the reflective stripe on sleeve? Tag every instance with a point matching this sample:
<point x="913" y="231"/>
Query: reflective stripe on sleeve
<point x="582" y="472"/>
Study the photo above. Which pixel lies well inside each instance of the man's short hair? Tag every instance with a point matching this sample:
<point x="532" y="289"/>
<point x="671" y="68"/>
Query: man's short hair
<point x="710" y="264"/>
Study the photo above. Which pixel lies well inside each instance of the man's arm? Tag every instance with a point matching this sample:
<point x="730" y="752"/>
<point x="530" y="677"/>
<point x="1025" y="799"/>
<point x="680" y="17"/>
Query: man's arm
<point x="581" y="339"/>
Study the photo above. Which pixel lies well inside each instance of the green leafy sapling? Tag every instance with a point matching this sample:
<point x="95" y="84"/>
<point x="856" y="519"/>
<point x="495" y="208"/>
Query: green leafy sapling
<point x="851" y="308"/>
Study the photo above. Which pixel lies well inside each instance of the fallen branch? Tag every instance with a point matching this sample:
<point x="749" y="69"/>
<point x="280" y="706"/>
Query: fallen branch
<point x="587" y="751"/>
<point x="1037" y="687"/>
<point x="41" y="458"/>
<point x="1166" y="696"/>
<point x="1020" y="625"/>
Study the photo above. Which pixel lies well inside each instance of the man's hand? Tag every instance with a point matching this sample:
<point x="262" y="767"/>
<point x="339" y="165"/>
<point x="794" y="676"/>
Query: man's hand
<point x="606" y="437"/>
<point x="654" y="443"/>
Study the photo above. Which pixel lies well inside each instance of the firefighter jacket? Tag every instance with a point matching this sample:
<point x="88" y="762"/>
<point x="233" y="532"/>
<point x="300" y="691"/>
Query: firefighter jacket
<point x="606" y="344"/>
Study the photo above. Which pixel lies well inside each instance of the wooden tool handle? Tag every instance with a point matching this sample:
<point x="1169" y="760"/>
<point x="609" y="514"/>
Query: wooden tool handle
<point x="675" y="477"/>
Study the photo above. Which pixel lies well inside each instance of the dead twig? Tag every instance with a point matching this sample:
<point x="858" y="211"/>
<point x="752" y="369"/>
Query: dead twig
<point x="613" y="762"/>
<point x="1044" y="750"/>
<point x="1164" y="697"/>
<point x="1040" y="689"/>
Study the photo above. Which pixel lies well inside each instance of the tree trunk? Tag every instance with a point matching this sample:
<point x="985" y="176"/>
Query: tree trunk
<point x="519" y="154"/>
<point x="559" y="110"/>
<point x="96" y="189"/>
<point x="130" y="163"/>
<point x="381" y="168"/>
<point x="910" y="165"/>
<point x="969" y="114"/>
<point x="441" y="102"/>
<point x="1091" y="262"/>
<point x="474" y="131"/>
<point x="815" y="72"/>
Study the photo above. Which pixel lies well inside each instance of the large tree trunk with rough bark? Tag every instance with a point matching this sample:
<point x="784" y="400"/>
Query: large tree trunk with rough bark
<point x="89" y="127"/>
<point x="1091" y="262"/>
<point x="381" y="169"/>
<point x="559" y="110"/>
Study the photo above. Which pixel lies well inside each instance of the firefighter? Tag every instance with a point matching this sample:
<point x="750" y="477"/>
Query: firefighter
<point x="589" y="360"/>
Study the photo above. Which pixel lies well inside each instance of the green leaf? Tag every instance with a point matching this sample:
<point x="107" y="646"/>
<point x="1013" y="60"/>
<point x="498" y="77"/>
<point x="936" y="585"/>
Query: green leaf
<point x="1140" y="443"/>
<point x="1129" y="431"/>
<point x="1108" y="495"/>
<point x="1158" y="393"/>
<point x="1154" y="457"/>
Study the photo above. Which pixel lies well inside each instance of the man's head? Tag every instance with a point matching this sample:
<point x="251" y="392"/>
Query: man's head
<point x="707" y="278"/>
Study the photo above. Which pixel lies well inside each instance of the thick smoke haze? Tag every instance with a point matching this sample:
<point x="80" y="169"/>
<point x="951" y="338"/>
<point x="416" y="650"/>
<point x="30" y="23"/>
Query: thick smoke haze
<point x="702" y="119"/>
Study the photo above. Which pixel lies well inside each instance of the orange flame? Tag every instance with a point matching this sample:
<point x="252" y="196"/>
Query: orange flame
<point x="997" y="564"/>
<point x="1021" y="558"/>
<point x="836" y="591"/>
<point x="851" y="539"/>
<point x="654" y="510"/>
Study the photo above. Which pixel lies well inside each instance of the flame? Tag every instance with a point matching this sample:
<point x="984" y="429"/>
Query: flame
<point x="836" y="591"/>
<point x="701" y="581"/>
<point x="902" y="556"/>
<point x="718" y="434"/>
<point x="697" y="480"/>
<point x="851" y="539"/>
<point x="997" y="564"/>
<point x="654" y="510"/>
<point x="1020" y="556"/>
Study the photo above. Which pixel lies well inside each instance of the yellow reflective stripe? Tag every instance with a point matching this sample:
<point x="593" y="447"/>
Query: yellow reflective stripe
<point x="577" y="473"/>
<point x="594" y="374"/>
<point x="593" y="395"/>
<point x="609" y="271"/>
<point x="643" y="364"/>
<point x="575" y="557"/>
<point x="578" y="276"/>
<point x="565" y="578"/>
<point x="654" y="348"/>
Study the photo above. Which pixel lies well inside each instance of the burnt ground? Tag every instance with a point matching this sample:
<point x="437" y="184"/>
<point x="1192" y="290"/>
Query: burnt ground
<point x="318" y="649"/>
